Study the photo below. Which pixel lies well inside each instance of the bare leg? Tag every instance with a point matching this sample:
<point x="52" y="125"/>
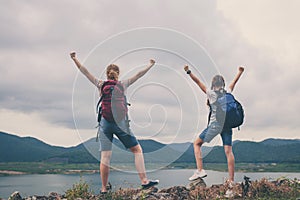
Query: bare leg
<point x="230" y="161"/>
<point x="104" y="168"/>
<point x="198" y="154"/>
<point x="139" y="163"/>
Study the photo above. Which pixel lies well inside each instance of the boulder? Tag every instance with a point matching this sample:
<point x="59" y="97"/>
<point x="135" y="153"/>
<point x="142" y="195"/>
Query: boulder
<point x="54" y="196"/>
<point x="15" y="196"/>
<point x="195" y="183"/>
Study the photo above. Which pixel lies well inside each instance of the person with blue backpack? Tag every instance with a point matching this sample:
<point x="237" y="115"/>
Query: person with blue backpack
<point x="113" y="119"/>
<point x="225" y="113"/>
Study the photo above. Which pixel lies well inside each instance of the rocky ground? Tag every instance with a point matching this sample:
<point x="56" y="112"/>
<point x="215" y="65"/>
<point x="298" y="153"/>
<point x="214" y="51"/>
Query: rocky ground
<point x="262" y="189"/>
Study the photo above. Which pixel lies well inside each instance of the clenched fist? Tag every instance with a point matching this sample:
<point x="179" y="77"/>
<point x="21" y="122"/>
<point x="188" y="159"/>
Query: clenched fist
<point x="186" y="68"/>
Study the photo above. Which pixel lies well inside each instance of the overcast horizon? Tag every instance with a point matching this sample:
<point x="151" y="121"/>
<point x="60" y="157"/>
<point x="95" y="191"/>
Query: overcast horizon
<point x="44" y="96"/>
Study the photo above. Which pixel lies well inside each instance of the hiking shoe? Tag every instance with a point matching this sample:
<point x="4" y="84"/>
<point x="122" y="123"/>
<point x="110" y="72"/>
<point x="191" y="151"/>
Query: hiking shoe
<point x="103" y="193"/>
<point x="108" y="186"/>
<point x="150" y="184"/>
<point x="198" y="174"/>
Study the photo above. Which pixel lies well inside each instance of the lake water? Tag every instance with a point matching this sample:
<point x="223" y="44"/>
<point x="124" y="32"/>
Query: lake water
<point x="38" y="184"/>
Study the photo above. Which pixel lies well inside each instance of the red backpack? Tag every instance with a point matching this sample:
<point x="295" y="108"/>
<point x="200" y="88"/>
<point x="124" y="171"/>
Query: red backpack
<point x="113" y="102"/>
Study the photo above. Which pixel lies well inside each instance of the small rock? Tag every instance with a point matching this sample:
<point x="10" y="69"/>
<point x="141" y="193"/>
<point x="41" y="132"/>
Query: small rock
<point x="175" y="192"/>
<point x="162" y="196"/>
<point x="151" y="190"/>
<point x="54" y="196"/>
<point x="36" y="197"/>
<point x="15" y="196"/>
<point x="197" y="182"/>
<point x="142" y="194"/>
<point x="229" y="194"/>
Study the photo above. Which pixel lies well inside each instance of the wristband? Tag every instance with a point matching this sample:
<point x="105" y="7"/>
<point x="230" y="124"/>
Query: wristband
<point x="188" y="71"/>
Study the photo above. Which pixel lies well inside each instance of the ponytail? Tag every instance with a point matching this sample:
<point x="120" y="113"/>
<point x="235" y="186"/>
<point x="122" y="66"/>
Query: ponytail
<point x="112" y="75"/>
<point x="112" y="72"/>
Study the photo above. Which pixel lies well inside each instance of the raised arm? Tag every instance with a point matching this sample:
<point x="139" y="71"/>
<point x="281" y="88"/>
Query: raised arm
<point x="195" y="79"/>
<point x="141" y="73"/>
<point x="83" y="69"/>
<point x="236" y="78"/>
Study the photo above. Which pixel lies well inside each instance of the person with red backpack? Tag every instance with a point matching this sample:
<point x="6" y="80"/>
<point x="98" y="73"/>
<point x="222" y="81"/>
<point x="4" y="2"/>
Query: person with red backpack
<point x="218" y="99"/>
<point x="113" y="119"/>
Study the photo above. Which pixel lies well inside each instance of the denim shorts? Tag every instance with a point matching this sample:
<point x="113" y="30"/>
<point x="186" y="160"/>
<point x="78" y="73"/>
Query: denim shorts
<point x="213" y="130"/>
<point x="107" y="130"/>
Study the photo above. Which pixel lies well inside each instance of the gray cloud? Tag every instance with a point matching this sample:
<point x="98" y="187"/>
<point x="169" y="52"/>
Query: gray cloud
<point x="37" y="74"/>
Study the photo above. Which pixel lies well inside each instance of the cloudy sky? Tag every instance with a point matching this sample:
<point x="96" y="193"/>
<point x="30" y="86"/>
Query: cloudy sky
<point x="44" y="96"/>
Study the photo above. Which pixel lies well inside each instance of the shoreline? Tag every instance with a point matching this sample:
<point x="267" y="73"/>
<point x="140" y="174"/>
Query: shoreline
<point x="9" y="172"/>
<point x="83" y="171"/>
<point x="19" y="168"/>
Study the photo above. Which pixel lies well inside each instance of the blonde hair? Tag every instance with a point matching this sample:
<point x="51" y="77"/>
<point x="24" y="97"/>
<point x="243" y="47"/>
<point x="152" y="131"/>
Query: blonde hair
<point x="112" y="72"/>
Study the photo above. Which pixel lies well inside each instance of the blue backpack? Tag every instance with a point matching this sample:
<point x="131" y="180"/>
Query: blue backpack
<point x="229" y="111"/>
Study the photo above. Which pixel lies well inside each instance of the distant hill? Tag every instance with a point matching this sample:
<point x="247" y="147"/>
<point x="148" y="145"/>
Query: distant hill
<point x="280" y="142"/>
<point x="180" y="146"/>
<point x="268" y="151"/>
<point x="25" y="149"/>
<point x="28" y="149"/>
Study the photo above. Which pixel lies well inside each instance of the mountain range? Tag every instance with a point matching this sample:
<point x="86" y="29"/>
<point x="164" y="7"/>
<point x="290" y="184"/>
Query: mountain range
<point x="28" y="149"/>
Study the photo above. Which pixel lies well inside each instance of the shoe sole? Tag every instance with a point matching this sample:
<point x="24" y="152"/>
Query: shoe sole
<point x="147" y="187"/>
<point x="103" y="193"/>
<point x="198" y="177"/>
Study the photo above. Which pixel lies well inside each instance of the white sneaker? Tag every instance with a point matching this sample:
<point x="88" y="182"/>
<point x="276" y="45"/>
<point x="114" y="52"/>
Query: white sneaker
<point x="198" y="174"/>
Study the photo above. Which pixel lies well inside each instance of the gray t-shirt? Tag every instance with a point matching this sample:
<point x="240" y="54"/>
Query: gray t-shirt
<point x="212" y="98"/>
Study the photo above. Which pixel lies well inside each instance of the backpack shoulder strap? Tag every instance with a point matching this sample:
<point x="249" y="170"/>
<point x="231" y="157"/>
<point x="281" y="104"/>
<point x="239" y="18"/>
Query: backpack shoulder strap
<point x="101" y="97"/>
<point x="209" y="115"/>
<point x="98" y="104"/>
